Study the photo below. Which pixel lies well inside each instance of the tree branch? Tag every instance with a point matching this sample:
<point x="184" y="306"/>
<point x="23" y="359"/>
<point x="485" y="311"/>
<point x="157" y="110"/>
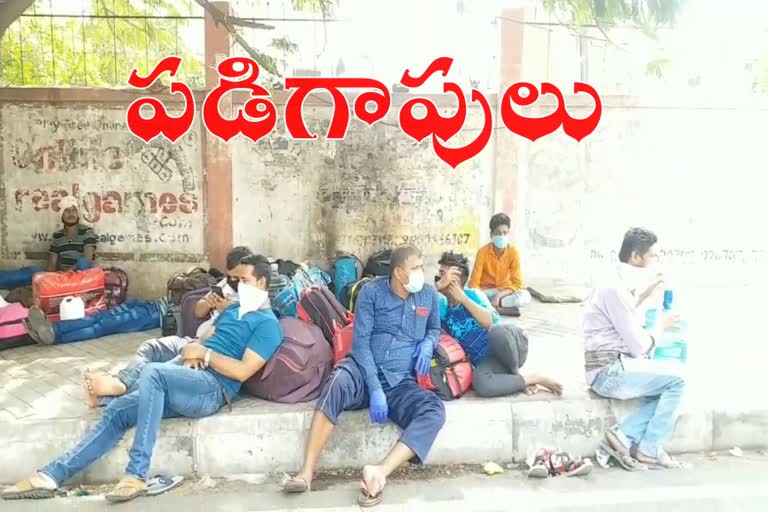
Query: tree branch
<point x="265" y="61"/>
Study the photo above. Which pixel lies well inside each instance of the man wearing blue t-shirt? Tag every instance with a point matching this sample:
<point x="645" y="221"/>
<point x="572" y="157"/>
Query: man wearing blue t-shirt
<point x="497" y="351"/>
<point x="205" y="377"/>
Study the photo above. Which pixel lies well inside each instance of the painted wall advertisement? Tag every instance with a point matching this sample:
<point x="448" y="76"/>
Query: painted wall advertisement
<point x="140" y="198"/>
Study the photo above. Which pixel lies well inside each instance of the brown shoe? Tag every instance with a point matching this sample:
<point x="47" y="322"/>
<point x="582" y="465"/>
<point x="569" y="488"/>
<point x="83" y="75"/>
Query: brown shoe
<point x="39" y="327"/>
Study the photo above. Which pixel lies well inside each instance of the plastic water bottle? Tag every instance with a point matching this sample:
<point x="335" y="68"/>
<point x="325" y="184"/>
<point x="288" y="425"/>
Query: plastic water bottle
<point x="668" y="295"/>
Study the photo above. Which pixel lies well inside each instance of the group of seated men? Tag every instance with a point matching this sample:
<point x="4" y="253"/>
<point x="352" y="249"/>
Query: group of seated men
<point x="396" y="329"/>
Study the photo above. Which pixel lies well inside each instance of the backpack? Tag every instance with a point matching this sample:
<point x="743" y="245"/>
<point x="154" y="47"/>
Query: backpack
<point x="277" y="283"/>
<point x="451" y="371"/>
<point x="319" y="306"/>
<point x="285" y="302"/>
<point x="115" y="286"/>
<point x="287" y="267"/>
<point x="342" y="342"/>
<point x="13" y="331"/>
<point x="193" y="279"/>
<point x="345" y="269"/>
<point x="352" y="291"/>
<point x="378" y="264"/>
<point x="297" y="369"/>
<point x="189" y="322"/>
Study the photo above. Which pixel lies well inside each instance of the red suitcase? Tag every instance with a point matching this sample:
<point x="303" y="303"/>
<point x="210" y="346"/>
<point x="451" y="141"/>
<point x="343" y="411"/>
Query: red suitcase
<point x="50" y="288"/>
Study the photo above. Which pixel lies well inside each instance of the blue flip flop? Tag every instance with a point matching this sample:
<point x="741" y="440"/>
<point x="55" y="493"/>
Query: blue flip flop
<point x="162" y="484"/>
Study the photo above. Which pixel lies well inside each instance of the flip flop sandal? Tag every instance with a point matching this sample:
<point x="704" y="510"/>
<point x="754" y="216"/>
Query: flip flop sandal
<point x="295" y="486"/>
<point x="366" y="501"/>
<point x="624" y="460"/>
<point x="24" y="490"/>
<point x="664" y="461"/>
<point x="161" y="484"/>
<point x="538" y="471"/>
<point x="136" y="486"/>
<point x="580" y="468"/>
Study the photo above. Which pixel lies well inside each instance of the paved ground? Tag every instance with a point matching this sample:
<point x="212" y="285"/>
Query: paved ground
<point x="726" y="356"/>
<point x="714" y="483"/>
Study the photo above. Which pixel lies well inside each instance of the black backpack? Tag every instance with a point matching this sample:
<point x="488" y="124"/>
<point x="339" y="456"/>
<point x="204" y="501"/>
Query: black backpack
<point x="378" y="264"/>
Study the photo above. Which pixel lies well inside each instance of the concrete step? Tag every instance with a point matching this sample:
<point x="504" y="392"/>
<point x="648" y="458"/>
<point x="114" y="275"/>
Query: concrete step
<point x="261" y="437"/>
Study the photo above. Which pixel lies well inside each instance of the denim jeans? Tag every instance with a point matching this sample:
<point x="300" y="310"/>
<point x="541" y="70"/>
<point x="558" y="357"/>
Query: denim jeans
<point x="154" y="350"/>
<point x="132" y="316"/>
<point x="514" y="300"/>
<point x="660" y="384"/>
<point x="164" y="391"/>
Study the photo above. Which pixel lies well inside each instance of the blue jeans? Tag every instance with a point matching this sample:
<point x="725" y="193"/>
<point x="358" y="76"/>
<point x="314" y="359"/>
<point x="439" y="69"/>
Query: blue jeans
<point x="164" y="391"/>
<point x="10" y="279"/>
<point x="154" y="350"/>
<point x="132" y="316"/>
<point x="660" y="384"/>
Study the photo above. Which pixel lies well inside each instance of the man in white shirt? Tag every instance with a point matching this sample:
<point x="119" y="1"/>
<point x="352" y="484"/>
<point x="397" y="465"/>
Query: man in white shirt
<point x="212" y="304"/>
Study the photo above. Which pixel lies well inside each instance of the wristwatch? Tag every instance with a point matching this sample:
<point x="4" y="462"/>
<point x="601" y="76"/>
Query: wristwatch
<point x="207" y="360"/>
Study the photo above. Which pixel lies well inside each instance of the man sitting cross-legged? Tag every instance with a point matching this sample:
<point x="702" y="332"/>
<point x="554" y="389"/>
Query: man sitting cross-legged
<point x="397" y="327"/>
<point x="244" y="337"/>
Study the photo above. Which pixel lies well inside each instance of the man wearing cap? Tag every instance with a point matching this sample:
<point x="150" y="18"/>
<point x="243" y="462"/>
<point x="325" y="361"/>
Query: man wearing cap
<point x="72" y="248"/>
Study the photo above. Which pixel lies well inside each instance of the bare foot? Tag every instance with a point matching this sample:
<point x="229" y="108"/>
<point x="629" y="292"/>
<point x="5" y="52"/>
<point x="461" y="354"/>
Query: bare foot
<point x="551" y="384"/>
<point x="373" y="481"/>
<point x="101" y="385"/>
<point x="532" y="389"/>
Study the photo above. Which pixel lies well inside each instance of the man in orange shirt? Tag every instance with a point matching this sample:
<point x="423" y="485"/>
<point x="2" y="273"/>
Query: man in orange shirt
<point x="497" y="270"/>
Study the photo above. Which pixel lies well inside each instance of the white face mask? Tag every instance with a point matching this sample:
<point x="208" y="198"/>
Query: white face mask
<point x="415" y="281"/>
<point x="251" y="298"/>
<point x="637" y="279"/>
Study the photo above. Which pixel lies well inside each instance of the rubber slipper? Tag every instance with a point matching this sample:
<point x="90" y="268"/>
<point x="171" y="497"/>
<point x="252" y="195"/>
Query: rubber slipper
<point x="24" y="490"/>
<point x="624" y="460"/>
<point x="295" y="486"/>
<point x="161" y="484"/>
<point x="538" y="471"/>
<point x="136" y="486"/>
<point x="584" y="468"/>
<point x="366" y="501"/>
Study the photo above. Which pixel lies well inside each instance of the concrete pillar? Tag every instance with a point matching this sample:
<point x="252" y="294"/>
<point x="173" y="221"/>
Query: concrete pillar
<point x="217" y="158"/>
<point x="509" y="179"/>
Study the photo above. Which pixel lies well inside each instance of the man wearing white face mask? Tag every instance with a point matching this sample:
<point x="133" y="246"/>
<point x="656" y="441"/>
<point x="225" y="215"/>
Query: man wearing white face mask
<point x="617" y="364"/>
<point x="397" y="325"/>
<point x="497" y="270"/>
<point x="243" y="338"/>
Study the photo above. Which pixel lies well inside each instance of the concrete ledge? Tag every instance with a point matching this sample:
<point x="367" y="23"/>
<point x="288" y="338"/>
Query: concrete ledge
<point x="265" y="437"/>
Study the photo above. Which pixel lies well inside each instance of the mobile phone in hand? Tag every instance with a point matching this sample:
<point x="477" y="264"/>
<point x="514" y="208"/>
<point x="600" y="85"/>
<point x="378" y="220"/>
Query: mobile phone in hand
<point x="217" y="291"/>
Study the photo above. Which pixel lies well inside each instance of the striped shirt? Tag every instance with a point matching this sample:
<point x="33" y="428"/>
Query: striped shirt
<point x="69" y="250"/>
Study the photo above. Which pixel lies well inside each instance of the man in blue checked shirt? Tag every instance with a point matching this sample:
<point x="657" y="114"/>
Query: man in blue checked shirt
<point x="497" y="351"/>
<point x="397" y="327"/>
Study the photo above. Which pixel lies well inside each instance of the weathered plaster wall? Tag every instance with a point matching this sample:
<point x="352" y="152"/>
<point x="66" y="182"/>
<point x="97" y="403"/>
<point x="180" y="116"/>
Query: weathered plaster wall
<point x="145" y="201"/>
<point x="690" y="173"/>
<point x="374" y="189"/>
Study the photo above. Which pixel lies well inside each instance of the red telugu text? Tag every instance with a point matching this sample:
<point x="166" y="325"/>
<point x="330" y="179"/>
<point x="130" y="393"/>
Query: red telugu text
<point x="257" y="118"/>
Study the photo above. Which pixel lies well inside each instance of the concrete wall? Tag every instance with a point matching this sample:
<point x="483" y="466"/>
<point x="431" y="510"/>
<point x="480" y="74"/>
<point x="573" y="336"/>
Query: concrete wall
<point x="688" y="171"/>
<point x="375" y="189"/>
<point x="691" y="172"/>
<point x="145" y="201"/>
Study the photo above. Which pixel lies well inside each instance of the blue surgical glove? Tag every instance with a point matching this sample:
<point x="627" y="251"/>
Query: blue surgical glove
<point x="379" y="409"/>
<point x="424" y="353"/>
